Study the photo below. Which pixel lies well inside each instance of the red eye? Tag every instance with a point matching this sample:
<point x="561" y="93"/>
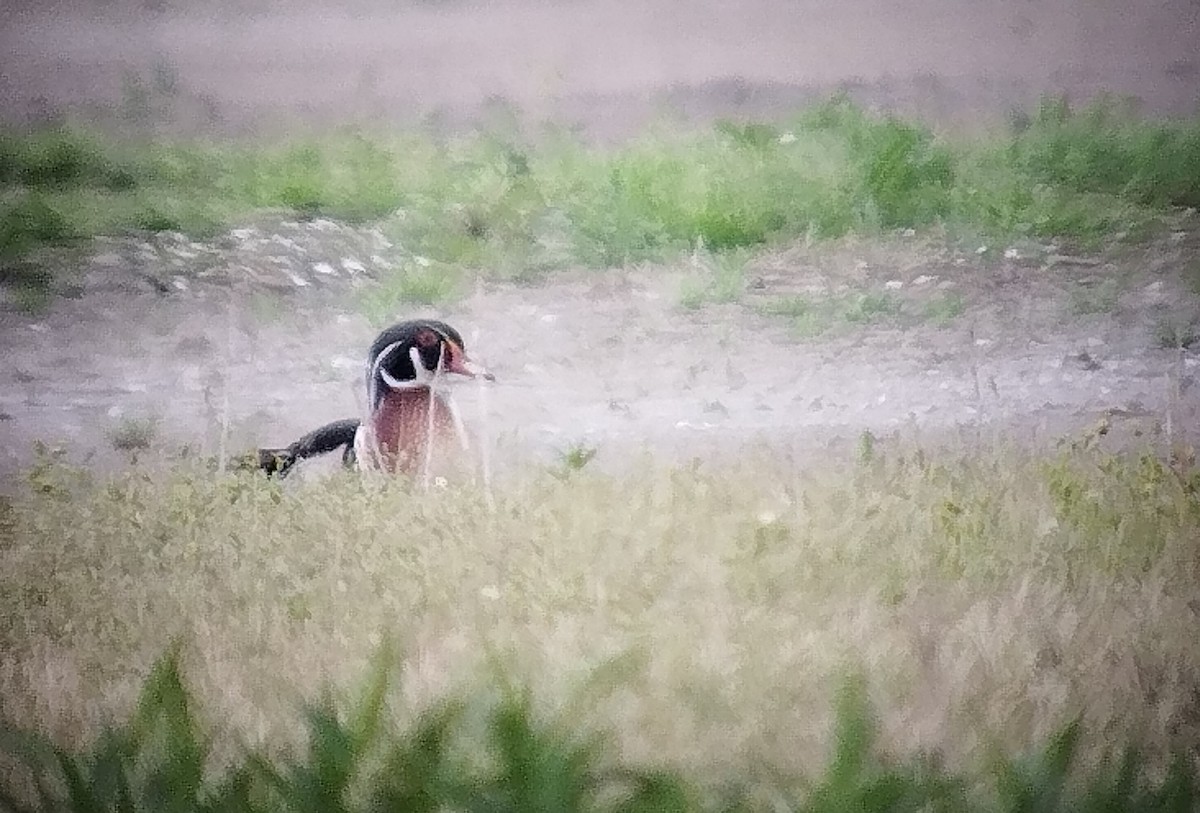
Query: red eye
<point x="427" y="338"/>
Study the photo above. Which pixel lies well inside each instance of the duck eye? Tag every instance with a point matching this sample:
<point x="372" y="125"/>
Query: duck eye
<point x="426" y="339"/>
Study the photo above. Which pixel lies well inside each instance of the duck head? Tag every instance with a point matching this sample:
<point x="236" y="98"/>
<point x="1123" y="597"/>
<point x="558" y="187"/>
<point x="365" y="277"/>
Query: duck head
<point x="411" y="355"/>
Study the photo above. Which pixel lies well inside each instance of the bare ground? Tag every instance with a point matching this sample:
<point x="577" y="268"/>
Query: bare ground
<point x="1038" y="345"/>
<point x="225" y="348"/>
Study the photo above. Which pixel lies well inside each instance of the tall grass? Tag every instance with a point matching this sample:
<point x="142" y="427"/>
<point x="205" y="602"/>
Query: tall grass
<point x="702" y="614"/>
<point x="502" y="755"/>
<point x="514" y="204"/>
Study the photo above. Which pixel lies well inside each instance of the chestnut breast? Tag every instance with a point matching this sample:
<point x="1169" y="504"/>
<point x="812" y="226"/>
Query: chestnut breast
<point x="401" y="424"/>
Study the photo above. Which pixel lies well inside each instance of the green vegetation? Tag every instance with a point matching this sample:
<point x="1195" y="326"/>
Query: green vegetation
<point x="1015" y="620"/>
<point x="416" y="281"/>
<point x="1102" y="296"/>
<point x="715" y="278"/>
<point x="574" y="458"/>
<point x="1173" y="332"/>
<point x="1191" y="275"/>
<point x="517" y="207"/>
<point x="509" y="759"/>
<point x="945" y="308"/>
<point x="812" y="316"/>
<point x="133" y="434"/>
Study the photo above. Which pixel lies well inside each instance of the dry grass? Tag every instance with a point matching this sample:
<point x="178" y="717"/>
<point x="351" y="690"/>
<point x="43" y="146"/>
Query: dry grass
<point x="707" y="613"/>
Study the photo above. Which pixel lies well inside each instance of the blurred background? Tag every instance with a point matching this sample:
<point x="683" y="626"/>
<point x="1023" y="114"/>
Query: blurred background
<point x="605" y="67"/>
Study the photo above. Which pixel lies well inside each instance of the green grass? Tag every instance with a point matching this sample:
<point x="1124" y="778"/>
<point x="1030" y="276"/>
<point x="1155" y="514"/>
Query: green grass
<point x="503" y="755"/>
<point x="574" y="458"/>
<point x="871" y="307"/>
<point x="418" y="281"/>
<point x="64" y="184"/>
<point x="132" y="434"/>
<point x="812" y="316"/>
<point x="516" y="207"/>
<point x="1172" y="333"/>
<point x="944" y="308"/>
<point x="1191" y="275"/>
<point x="1105" y="150"/>
<point x="1101" y="296"/>
<point x="714" y="278"/>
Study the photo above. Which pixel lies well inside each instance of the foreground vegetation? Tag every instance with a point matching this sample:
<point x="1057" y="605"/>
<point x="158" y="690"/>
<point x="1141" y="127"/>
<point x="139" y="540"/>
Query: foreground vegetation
<point x="508" y="759"/>
<point x="516" y="205"/>
<point x="1023" y="623"/>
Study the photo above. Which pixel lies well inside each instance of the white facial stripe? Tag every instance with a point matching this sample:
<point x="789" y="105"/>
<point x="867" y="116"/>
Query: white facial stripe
<point x="376" y="368"/>
<point x="422" y="375"/>
<point x="396" y="384"/>
<point x="435" y="378"/>
<point x="385" y="352"/>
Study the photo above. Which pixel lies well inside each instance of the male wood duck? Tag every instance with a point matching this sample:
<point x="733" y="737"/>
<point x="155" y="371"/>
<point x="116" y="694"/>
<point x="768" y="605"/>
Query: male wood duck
<point x="408" y="404"/>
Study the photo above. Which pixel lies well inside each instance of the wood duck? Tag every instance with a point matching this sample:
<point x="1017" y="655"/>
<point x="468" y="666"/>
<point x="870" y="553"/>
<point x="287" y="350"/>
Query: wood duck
<point x="409" y="405"/>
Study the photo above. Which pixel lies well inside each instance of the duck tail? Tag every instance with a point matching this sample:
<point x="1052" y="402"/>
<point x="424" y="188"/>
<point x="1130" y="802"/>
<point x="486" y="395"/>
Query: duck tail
<point x="326" y="439"/>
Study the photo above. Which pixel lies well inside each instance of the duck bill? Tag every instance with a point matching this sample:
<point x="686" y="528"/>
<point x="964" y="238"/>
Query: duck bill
<point x="464" y="366"/>
<point x="461" y="364"/>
